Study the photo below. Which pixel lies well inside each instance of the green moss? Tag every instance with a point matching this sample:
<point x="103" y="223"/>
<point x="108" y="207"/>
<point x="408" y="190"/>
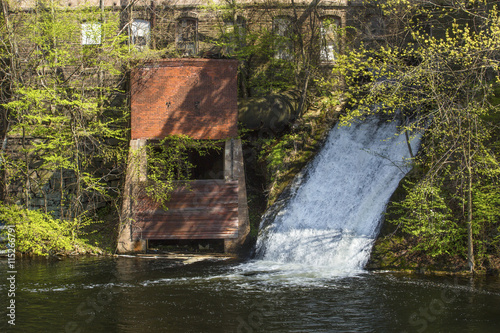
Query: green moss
<point x="286" y="155"/>
<point x="272" y="163"/>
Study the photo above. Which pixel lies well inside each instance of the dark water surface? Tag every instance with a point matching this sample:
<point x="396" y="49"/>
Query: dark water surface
<point x="156" y="295"/>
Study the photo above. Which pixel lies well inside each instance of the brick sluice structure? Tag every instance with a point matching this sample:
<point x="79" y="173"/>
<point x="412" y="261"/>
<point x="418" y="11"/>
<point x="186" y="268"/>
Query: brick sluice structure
<point x="198" y="98"/>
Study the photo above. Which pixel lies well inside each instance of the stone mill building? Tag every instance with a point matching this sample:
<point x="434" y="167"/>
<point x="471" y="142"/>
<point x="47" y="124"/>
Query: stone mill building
<point x="189" y="81"/>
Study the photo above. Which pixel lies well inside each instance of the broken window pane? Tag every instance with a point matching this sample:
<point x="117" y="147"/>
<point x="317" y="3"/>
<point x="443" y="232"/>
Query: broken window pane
<point x="187" y="36"/>
<point x="91" y="33"/>
<point x="140" y="33"/>
<point x="329" y="38"/>
<point x="283" y="42"/>
<point x="235" y="35"/>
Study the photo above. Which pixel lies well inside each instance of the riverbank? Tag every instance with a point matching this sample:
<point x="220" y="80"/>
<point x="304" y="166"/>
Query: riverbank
<point x="393" y="251"/>
<point x="273" y="158"/>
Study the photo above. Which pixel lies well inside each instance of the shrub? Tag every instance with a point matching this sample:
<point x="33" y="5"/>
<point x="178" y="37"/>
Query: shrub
<point x="39" y="233"/>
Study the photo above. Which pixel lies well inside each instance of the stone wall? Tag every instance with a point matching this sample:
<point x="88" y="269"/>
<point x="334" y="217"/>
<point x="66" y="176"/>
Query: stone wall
<point x="211" y="17"/>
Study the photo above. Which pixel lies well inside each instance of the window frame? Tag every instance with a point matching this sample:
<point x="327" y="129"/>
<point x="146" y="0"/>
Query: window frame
<point x="283" y="46"/>
<point x="91" y="33"/>
<point x="186" y="47"/>
<point x="329" y="39"/>
<point x="241" y="25"/>
<point x="136" y="33"/>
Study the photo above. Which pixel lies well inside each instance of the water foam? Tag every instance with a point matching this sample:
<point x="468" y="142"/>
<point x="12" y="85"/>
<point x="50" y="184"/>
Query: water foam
<point x="332" y="214"/>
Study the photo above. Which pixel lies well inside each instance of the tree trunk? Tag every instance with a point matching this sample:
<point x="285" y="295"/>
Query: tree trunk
<point x="470" y="239"/>
<point x="27" y="180"/>
<point x="303" y="96"/>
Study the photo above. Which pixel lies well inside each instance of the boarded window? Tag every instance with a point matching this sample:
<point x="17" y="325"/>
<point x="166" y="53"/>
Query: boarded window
<point x="329" y="38"/>
<point x="91" y="33"/>
<point x="140" y="33"/>
<point x="187" y="36"/>
<point x="375" y="27"/>
<point x="283" y="41"/>
<point x="235" y="34"/>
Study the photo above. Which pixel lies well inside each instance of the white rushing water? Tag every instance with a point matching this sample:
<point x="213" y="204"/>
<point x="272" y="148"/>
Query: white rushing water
<point x="332" y="217"/>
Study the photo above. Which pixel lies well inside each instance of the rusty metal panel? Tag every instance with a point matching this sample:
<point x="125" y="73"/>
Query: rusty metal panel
<point x="204" y="209"/>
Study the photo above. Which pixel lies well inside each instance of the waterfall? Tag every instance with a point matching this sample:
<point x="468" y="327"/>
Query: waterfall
<point x="330" y="217"/>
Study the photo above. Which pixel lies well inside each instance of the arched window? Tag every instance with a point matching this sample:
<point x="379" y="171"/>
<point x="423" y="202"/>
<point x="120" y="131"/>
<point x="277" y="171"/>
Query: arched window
<point x="282" y="28"/>
<point x="375" y="27"/>
<point x="329" y="38"/>
<point x="235" y="34"/>
<point x="140" y="33"/>
<point x="187" y="36"/>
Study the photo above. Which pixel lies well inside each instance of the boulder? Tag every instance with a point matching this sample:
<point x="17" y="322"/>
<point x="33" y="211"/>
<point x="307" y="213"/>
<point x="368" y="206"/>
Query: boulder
<point x="272" y="112"/>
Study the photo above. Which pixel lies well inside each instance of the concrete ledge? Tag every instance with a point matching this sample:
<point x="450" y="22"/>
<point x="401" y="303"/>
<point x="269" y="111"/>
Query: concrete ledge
<point x="184" y="258"/>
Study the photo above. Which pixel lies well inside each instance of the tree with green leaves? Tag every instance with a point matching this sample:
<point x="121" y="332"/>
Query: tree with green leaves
<point x="62" y="73"/>
<point x="286" y="51"/>
<point x="280" y="45"/>
<point x="437" y="70"/>
<point x="169" y="165"/>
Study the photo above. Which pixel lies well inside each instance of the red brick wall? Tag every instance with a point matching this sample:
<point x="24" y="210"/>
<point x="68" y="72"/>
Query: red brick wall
<point x="196" y="97"/>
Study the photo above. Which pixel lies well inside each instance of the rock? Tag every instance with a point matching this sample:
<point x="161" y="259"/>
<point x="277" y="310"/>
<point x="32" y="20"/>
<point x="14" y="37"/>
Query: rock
<point x="271" y="112"/>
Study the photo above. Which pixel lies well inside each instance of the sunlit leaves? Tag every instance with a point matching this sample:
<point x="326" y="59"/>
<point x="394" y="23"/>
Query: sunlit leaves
<point x="65" y="103"/>
<point x="440" y="77"/>
<point x="41" y="234"/>
<point x="169" y="165"/>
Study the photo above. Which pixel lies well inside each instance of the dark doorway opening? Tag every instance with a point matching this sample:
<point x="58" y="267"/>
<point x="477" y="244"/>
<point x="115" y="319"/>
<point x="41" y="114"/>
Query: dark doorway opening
<point x="209" y="165"/>
<point x="186" y="245"/>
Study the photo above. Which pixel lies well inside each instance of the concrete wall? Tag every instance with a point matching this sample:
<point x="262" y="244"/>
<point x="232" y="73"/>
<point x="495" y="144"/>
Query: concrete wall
<point x="235" y="170"/>
<point x="135" y="175"/>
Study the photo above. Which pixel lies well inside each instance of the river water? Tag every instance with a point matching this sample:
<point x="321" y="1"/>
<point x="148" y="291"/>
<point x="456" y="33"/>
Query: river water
<point x="308" y="273"/>
<point x="157" y="295"/>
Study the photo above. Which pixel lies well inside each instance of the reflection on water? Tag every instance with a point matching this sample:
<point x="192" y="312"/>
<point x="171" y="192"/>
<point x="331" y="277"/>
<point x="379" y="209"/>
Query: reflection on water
<point x="144" y="295"/>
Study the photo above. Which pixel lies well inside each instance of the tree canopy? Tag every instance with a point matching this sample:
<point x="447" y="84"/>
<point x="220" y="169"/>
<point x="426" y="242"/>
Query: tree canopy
<point x="439" y="76"/>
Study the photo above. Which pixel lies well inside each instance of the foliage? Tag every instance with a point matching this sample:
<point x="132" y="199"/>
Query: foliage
<point x="273" y="61"/>
<point x="277" y="151"/>
<point x="169" y="165"/>
<point x="440" y="84"/>
<point x="282" y="157"/>
<point x="66" y="104"/>
<point x="425" y="214"/>
<point x="273" y="57"/>
<point x="39" y="233"/>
